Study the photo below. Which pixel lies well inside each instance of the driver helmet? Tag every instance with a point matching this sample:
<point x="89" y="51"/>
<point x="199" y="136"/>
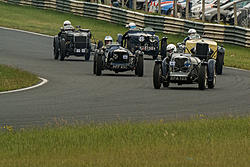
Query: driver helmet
<point x="131" y="26"/>
<point x="108" y="40"/>
<point x="191" y="32"/>
<point x="171" y="48"/>
<point x="66" y="23"/>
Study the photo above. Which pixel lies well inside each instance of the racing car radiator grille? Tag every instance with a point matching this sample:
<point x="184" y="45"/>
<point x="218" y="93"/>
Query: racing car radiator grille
<point x="120" y="58"/>
<point x="81" y="39"/>
<point x="81" y="45"/>
<point x="179" y="64"/>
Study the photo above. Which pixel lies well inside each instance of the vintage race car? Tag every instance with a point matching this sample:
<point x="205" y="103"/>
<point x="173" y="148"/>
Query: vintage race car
<point x="118" y="59"/>
<point x="186" y="68"/>
<point x="217" y="51"/>
<point x="72" y="42"/>
<point x="145" y="40"/>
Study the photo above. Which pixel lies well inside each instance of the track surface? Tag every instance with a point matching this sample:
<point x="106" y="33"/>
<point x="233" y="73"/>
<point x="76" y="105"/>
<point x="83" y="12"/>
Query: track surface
<point x="74" y="93"/>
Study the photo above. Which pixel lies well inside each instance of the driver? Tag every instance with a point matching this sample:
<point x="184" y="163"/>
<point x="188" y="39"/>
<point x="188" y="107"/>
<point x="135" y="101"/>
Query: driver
<point x="190" y="33"/>
<point x="132" y="27"/>
<point x="66" y="27"/>
<point x="171" y="48"/>
<point x="108" y="40"/>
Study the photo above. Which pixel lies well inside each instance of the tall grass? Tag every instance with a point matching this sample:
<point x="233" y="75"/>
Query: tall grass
<point x="12" y="78"/>
<point x="203" y="142"/>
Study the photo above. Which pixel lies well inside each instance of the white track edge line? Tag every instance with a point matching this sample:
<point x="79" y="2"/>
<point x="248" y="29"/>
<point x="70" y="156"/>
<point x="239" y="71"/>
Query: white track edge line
<point x="28" y="32"/>
<point x="233" y="68"/>
<point x="44" y="81"/>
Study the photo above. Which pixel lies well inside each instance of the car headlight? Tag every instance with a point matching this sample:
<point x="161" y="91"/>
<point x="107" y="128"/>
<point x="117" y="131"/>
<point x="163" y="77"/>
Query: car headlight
<point x="207" y="14"/>
<point x="115" y="56"/>
<point x="141" y="38"/>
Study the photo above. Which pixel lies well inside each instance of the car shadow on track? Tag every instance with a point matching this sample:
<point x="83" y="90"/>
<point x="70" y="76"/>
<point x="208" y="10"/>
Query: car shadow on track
<point x="78" y="60"/>
<point x="181" y="88"/>
<point x="120" y="75"/>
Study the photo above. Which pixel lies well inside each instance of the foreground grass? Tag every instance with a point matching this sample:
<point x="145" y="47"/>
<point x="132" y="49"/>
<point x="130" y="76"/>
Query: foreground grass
<point x="203" y="142"/>
<point x="12" y="78"/>
<point x="49" y="22"/>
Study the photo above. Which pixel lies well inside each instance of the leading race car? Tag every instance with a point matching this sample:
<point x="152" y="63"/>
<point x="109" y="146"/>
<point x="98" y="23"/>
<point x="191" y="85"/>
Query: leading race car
<point x="72" y="42"/>
<point x="145" y="40"/>
<point x="118" y="59"/>
<point x="181" y="68"/>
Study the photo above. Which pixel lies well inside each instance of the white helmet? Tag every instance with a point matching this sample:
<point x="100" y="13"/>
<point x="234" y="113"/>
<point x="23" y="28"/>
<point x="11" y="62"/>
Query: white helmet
<point x="191" y="31"/>
<point x="171" y="48"/>
<point x="67" y="22"/>
<point x="108" y="40"/>
<point x="131" y="25"/>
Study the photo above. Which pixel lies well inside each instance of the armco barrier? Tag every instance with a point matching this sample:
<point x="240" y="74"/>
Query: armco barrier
<point x="221" y="33"/>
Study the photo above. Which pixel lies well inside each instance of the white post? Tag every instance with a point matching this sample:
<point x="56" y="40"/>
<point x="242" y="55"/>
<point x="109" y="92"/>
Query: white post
<point x="187" y="9"/>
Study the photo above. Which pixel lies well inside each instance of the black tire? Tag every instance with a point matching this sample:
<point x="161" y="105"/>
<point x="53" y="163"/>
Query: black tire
<point x="62" y="50"/>
<point x="99" y="65"/>
<point x="157" y="76"/>
<point x="139" y="68"/>
<point x="94" y="65"/>
<point x="163" y="48"/>
<point x="202" y="77"/>
<point x="219" y="64"/>
<point x="56" y="47"/>
<point x="211" y="84"/>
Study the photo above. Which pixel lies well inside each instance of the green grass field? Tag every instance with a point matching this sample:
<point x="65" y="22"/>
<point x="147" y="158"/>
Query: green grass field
<point x="12" y="78"/>
<point x="201" y="142"/>
<point x="49" y="22"/>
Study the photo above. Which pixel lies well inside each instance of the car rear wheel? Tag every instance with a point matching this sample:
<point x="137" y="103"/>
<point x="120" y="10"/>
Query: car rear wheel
<point x="163" y="48"/>
<point x="219" y="64"/>
<point x="202" y="77"/>
<point x="94" y="65"/>
<point x="157" y="76"/>
<point x="56" y="48"/>
<point x="99" y="65"/>
<point x="211" y="84"/>
<point x="62" y="50"/>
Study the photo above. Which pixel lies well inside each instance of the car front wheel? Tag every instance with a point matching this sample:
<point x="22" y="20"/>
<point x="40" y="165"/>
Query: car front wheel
<point x="99" y="65"/>
<point x="157" y="76"/>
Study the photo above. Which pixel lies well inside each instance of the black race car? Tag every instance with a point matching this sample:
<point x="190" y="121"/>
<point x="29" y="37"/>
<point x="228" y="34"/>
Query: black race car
<point x="185" y="68"/>
<point x="146" y="40"/>
<point x="118" y="59"/>
<point x="72" y="42"/>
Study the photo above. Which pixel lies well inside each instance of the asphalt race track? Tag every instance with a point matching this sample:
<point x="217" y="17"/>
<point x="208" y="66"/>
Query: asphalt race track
<point x="74" y="93"/>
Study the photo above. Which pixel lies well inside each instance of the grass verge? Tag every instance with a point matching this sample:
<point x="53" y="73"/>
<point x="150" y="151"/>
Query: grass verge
<point x="203" y="142"/>
<point x="12" y="78"/>
<point x="49" y="22"/>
